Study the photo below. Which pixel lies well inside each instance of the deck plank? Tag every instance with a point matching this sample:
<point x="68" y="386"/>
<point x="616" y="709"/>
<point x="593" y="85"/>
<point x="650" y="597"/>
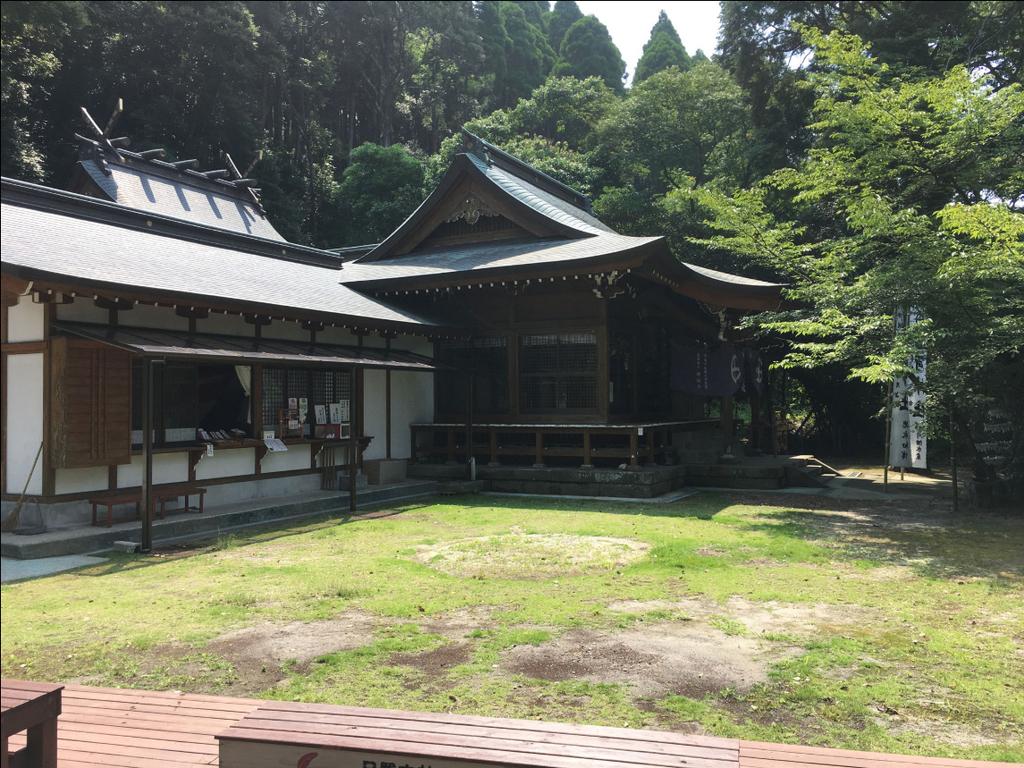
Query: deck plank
<point x="128" y="728"/>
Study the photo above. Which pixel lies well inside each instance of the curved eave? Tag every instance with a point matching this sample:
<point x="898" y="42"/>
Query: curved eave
<point x="714" y="287"/>
<point x="625" y="259"/>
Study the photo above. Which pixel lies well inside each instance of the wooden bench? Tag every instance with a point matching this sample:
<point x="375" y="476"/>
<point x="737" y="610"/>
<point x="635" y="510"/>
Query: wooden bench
<point x="326" y="736"/>
<point x="34" y="708"/>
<point x="111" y="500"/>
<point x="162" y="495"/>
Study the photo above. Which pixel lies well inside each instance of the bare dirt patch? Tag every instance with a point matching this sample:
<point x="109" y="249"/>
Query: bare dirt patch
<point x="952" y="733"/>
<point x="653" y="660"/>
<point x="518" y="555"/>
<point x="437" y="662"/>
<point x="759" y="618"/>
<point x="458" y="624"/>
<point x="300" y="641"/>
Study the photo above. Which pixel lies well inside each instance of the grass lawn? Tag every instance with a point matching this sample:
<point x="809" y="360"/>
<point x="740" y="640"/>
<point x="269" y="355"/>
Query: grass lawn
<point x="856" y="626"/>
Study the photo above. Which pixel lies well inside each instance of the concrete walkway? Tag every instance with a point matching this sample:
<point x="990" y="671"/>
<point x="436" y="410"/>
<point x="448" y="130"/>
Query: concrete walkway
<point x="19" y="570"/>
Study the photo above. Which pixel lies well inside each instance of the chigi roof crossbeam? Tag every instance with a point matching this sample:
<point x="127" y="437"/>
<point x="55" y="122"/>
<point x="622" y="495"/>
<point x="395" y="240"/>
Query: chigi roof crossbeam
<point x="229" y="177"/>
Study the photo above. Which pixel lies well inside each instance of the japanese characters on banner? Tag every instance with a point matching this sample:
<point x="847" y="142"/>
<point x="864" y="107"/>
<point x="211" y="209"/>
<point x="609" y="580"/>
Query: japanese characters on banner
<point x="716" y="370"/>
<point x="908" y="447"/>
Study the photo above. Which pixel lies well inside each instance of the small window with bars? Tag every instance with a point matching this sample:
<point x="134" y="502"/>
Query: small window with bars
<point x="317" y="387"/>
<point x="558" y="371"/>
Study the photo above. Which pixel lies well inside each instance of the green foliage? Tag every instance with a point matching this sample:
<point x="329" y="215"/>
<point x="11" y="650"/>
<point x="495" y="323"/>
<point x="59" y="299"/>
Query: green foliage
<point x="563" y="15"/>
<point x="663" y="50"/>
<point x="907" y="199"/>
<point x="380" y="187"/>
<point x="528" y="57"/>
<point x="587" y="50"/>
<point x="34" y="35"/>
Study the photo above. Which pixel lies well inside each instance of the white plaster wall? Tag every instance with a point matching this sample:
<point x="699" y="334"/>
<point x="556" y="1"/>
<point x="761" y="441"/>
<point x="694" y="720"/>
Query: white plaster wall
<point x="167" y="468"/>
<point x="26" y="321"/>
<point x="227" y="463"/>
<point x="288" y="331"/>
<point x="417" y="344"/>
<point x="229" y="325"/>
<point x="412" y="401"/>
<point x="296" y="457"/>
<point x="24" y="376"/>
<point x="145" y="316"/>
<point x="83" y="310"/>
<point x="331" y="335"/>
<point x="80" y="479"/>
<point x="374" y="415"/>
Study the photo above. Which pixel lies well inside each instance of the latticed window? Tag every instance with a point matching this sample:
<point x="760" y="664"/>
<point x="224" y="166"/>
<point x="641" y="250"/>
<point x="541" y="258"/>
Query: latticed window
<point x="317" y="386"/>
<point x="486" y="359"/>
<point x="558" y="372"/>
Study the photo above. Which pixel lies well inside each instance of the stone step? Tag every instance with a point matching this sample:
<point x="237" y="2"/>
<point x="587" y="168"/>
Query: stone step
<point x="216" y="521"/>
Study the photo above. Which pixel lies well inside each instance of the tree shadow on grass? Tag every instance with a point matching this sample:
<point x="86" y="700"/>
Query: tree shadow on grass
<point x="263" y="533"/>
<point x="702" y="506"/>
<point x="932" y="543"/>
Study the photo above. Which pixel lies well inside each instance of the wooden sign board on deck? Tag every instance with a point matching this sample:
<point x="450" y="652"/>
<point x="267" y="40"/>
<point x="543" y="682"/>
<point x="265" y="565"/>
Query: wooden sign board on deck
<point x="291" y="735"/>
<point x="235" y="754"/>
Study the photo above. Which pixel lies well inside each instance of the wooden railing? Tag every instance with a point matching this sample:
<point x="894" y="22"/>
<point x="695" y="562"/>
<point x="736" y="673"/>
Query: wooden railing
<point x="632" y="444"/>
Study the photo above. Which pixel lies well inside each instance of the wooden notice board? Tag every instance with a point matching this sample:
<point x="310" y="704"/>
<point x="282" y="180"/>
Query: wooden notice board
<point x="291" y="735"/>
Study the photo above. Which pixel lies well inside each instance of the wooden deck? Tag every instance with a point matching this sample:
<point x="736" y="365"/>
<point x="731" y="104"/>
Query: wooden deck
<point x="124" y="728"/>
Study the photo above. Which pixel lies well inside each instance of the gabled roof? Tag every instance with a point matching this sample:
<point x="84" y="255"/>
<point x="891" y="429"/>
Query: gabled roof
<point x="65" y="238"/>
<point x="145" y="183"/>
<point x="485" y="178"/>
<point x="553" y="233"/>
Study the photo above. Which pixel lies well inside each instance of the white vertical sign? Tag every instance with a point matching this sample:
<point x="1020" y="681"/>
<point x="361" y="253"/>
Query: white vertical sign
<point x="908" y="443"/>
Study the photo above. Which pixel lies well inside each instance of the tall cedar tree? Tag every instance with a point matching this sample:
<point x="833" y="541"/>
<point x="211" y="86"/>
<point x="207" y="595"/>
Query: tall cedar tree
<point x="564" y="14"/>
<point x="664" y="49"/>
<point x="587" y="49"/>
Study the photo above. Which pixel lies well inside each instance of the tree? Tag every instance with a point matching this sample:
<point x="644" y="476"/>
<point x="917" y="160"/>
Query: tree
<point x="910" y="198"/>
<point x="380" y="187"/>
<point x="34" y="36"/>
<point x="528" y="57"/>
<point x="662" y="50"/>
<point x="444" y="85"/>
<point x="587" y="50"/>
<point x="554" y="128"/>
<point x="564" y="14"/>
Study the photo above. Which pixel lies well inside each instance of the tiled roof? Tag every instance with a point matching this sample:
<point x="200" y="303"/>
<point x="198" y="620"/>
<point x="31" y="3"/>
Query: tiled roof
<point x="49" y="243"/>
<point x="542" y="201"/>
<point x="144" y="189"/>
<point x="494" y="258"/>
<point x="729" y="277"/>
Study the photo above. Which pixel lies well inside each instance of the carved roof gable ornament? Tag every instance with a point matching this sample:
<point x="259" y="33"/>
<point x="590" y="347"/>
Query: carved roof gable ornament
<point x="471" y="210"/>
<point x="609" y="285"/>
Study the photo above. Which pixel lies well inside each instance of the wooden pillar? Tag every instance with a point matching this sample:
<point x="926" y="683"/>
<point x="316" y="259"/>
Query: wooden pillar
<point x="727" y="421"/>
<point x="450" y="432"/>
<point x="650" y="445"/>
<point x="147" y="455"/>
<point x="634" y="448"/>
<point x="469" y="426"/>
<point x="387" y="402"/>
<point x="587" y="462"/>
<point x="355" y="434"/>
<point x="539" y="450"/>
<point x="493" y="435"/>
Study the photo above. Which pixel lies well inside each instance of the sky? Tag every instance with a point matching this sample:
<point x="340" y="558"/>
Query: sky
<point x="630" y="24"/>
